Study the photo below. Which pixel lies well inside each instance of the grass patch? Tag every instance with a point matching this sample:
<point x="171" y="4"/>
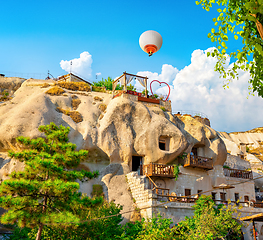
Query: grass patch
<point x="163" y="108"/>
<point x="75" y="86"/>
<point x="101" y="116"/>
<point x="75" y="103"/>
<point x="5" y="96"/>
<point x="103" y="107"/>
<point x="45" y="85"/>
<point x="55" y="91"/>
<point x="97" y="98"/>
<point x="75" y="116"/>
<point x="98" y="89"/>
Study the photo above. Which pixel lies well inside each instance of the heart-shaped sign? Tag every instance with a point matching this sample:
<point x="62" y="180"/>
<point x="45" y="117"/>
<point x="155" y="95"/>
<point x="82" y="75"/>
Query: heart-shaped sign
<point x="160" y="84"/>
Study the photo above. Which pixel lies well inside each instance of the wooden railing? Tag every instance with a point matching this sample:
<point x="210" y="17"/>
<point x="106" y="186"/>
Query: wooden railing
<point x="158" y="170"/>
<point x="238" y="173"/>
<point x="257" y="205"/>
<point x="197" y="161"/>
<point x="157" y="190"/>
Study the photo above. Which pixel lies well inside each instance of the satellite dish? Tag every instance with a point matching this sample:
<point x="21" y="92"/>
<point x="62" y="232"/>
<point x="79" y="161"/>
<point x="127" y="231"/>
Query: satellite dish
<point x="150" y="42"/>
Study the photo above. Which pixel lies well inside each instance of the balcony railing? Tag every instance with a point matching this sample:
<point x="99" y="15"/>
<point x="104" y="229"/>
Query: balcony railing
<point x="158" y="170"/>
<point x="197" y="161"/>
<point x="238" y="173"/>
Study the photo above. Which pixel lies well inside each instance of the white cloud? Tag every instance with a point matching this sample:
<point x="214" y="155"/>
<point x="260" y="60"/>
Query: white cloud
<point x="80" y="66"/>
<point x="198" y="87"/>
<point x="167" y="75"/>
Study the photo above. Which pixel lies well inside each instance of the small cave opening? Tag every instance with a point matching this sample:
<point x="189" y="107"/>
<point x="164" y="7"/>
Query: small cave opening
<point x="137" y="163"/>
<point x="164" y="143"/>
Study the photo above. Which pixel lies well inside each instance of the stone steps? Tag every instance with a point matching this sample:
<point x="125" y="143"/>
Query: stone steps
<point x="139" y="188"/>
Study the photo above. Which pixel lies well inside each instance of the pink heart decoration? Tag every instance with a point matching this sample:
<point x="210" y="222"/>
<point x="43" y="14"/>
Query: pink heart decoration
<point x="160" y="84"/>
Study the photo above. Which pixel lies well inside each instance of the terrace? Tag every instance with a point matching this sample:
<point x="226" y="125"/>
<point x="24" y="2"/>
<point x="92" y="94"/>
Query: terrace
<point x="158" y="170"/>
<point x="126" y="78"/>
<point x="199" y="162"/>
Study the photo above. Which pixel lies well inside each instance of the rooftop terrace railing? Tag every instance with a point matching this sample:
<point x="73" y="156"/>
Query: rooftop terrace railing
<point x="238" y="173"/>
<point x="158" y="170"/>
<point x="197" y="161"/>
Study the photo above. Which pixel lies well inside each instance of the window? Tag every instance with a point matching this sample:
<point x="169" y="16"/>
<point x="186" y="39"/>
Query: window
<point x="164" y="143"/>
<point x="214" y="196"/>
<point x="237" y="198"/>
<point x="246" y="198"/>
<point x="223" y="196"/>
<point x="194" y="151"/>
<point x="187" y="192"/>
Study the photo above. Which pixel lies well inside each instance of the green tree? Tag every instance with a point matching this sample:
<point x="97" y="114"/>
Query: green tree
<point x="157" y="228"/>
<point x="131" y="88"/>
<point x="106" y="83"/>
<point x="46" y="191"/>
<point x="209" y="222"/>
<point x="238" y="18"/>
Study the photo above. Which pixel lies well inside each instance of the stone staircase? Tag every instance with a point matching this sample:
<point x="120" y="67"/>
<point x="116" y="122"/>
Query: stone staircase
<point x="138" y="186"/>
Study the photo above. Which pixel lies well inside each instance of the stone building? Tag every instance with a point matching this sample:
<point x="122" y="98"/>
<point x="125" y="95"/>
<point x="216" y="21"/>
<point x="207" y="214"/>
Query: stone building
<point x="70" y="77"/>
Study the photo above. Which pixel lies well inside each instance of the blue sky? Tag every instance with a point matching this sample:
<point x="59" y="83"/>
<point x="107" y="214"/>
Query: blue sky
<point x="35" y="36"/>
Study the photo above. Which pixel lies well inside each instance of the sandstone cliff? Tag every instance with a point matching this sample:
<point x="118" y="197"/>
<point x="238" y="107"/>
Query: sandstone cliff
<point x="111" y="129"/>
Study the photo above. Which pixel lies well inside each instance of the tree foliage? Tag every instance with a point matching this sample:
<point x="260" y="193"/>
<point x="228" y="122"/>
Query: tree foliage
<point x="157" y="228"/>
<point x="209" y="222"/>
<point x="46" y="191"/>
<point x="238" y="18"/>
<point x="106" y="228"/>
<point x="106" y="83"/>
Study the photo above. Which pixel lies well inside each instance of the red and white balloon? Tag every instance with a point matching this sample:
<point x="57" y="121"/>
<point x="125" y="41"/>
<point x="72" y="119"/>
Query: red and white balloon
<point x="150" y="42"/>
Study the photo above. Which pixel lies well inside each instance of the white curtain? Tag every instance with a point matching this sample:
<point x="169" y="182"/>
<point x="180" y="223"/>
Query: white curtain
<point x="141" y="81"/>
<point x="114" y="84"/>
<point x="128" y="79"/>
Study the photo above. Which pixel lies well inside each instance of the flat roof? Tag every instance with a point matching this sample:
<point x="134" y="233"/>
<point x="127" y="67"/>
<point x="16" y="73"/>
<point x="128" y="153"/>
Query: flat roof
<point x="74" y="76"/>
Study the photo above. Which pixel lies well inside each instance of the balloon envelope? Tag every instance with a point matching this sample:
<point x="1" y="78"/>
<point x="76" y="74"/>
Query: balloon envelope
<point x="150" y="41"/>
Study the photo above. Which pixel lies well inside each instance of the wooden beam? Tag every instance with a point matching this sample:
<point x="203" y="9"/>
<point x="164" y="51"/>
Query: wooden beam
<point x="118" y="78"/>
<point x="125" y="87"/>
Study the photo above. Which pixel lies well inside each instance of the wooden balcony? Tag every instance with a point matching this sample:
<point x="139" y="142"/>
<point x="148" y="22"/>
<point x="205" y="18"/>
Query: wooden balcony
<point x="158" y="170"/>
<point x="238" y="173"/>
<point x="197" y="161"/>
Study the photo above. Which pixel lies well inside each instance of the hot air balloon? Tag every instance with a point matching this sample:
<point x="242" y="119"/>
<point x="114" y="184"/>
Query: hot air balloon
<point x="150" y="42"/>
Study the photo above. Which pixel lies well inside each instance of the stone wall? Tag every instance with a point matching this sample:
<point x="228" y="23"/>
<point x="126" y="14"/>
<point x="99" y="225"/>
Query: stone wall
<point x="236" y="162"/>
<point x="166" y="104"/>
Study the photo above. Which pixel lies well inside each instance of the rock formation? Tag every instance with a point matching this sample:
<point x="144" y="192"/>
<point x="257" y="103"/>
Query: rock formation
<point x="113" y="130"/>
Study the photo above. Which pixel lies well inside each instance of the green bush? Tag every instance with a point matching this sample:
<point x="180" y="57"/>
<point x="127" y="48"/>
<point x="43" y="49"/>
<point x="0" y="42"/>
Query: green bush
<point x="247" y="149"/>
<point x="131" y="88"/>
<point x="107" y="83"/>
<point x="98" y="89"/>
<point x="97" y="190"/>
